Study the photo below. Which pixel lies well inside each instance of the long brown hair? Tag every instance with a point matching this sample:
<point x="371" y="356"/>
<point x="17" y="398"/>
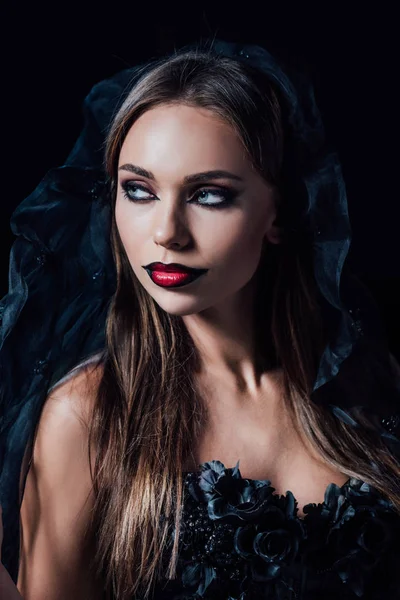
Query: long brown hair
<point x="149" y="408"/>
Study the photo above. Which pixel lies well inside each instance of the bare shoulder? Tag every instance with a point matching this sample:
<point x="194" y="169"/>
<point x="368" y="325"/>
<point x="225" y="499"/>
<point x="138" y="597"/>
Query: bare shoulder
<point x="63" y="426"/>
<point x="58" y="497"/>
<point x="76" y="393"/>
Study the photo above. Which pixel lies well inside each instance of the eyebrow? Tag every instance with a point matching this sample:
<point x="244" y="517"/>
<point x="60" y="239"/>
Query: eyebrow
<point x="194" y="178"/>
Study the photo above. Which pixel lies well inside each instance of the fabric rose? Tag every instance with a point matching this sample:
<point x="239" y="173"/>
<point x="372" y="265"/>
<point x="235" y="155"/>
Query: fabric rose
<point x="274" y="541"/>
<point x="229" y="496"/>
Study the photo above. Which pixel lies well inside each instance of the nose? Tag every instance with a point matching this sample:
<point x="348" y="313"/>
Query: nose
<point x="171" y="229"/>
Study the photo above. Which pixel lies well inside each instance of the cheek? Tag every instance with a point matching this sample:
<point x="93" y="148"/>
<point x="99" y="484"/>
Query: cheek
<point x="244" y="258"/>
<point x="238" y="244"/>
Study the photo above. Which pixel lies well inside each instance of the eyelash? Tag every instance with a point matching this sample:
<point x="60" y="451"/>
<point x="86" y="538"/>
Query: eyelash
<point x="225" y="193"/>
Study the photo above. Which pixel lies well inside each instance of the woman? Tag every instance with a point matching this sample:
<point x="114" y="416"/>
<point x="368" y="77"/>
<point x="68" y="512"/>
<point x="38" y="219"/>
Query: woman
<point x="226" y="339"/>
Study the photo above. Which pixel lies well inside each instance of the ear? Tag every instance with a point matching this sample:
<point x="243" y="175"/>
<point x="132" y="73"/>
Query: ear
<point x="273" y="232"/>
<point x="273" y="235"/>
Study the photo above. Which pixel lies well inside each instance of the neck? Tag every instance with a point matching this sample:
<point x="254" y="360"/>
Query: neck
<point x="227" y="337"/>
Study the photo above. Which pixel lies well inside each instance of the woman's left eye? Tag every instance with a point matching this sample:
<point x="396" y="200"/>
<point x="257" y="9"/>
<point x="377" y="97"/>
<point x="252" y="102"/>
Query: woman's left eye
<point x="226" y="195"/>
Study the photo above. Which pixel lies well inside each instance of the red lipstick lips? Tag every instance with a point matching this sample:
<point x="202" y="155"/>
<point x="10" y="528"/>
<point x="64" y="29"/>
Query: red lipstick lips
<point x="172" y="274"/>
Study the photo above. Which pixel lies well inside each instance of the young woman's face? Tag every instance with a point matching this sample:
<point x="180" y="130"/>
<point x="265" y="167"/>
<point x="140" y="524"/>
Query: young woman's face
<point x="165" y="215"/>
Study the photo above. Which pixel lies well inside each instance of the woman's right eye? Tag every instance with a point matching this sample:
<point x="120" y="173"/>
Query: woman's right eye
<point x="130" y="191"/>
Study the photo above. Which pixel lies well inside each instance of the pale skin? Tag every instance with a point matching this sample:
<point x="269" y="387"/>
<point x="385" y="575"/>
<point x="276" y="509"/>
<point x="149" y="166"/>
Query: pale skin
<point x="247" y="420"/>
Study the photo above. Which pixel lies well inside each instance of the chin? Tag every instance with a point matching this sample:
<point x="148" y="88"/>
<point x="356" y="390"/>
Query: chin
<point x="180" y="307"/>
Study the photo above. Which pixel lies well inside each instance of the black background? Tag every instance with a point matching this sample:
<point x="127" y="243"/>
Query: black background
<point x="53" y="55"/>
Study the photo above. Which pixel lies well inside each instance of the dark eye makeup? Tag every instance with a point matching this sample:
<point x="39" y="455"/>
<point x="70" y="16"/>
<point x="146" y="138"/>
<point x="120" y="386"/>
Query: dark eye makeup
<point x="130" y="191"/>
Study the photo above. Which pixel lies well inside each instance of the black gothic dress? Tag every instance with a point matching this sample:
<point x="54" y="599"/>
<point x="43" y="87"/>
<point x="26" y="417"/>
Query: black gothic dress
<point x="241" y="541"/>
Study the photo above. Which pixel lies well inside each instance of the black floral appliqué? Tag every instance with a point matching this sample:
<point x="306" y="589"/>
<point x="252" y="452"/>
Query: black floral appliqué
<point x="242" y="533"/>
<point x="363" y="537"/>
<point x="241" y="541"/>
